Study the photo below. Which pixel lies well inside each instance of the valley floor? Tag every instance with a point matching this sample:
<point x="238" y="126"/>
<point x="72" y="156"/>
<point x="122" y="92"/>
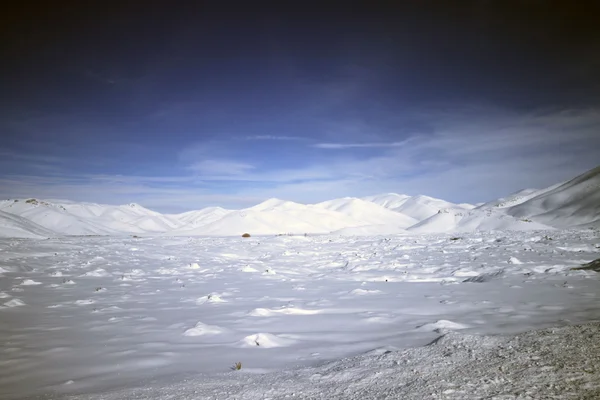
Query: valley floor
<point x="310" y="317"/>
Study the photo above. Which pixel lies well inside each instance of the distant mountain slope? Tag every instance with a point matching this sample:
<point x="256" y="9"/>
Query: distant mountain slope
<point x="273" y="216"/>
<point x="367" y="212"/>
<point x="15" y="226"/>
<point x="572" y="203"/>
<point x="388" y="200"/>
<point x="474" y="220"/>
<point x="88" y="218"/>
<point x="418" y="207"/>
<point x="193" y="219"/>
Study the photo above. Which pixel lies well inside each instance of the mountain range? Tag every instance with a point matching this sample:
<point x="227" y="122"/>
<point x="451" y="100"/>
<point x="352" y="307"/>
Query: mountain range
<point x="571" y="204"/>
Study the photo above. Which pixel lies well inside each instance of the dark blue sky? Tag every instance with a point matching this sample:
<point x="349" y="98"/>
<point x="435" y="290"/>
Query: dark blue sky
<point x="178" y="106"/>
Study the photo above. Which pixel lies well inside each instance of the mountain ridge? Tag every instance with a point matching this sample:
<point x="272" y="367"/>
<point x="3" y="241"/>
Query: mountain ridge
<point x="574" y="203"/>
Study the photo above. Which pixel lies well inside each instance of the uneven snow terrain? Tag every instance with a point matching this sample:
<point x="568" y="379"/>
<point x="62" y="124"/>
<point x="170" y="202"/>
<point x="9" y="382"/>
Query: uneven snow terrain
<point x="83" y="315"/>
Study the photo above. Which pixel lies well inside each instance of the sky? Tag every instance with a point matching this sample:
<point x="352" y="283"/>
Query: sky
<point x="179" y="106"/>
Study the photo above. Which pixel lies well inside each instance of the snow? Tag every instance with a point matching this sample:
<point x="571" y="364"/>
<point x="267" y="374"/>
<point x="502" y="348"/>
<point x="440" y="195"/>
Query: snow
<point x="474" y="220"/>
<point x="368" y="213"/>
<point x="16" y="226"/>
<point x="389" y="296"/>
<point x="116" y="313"/>
<point x="576" y="202"/>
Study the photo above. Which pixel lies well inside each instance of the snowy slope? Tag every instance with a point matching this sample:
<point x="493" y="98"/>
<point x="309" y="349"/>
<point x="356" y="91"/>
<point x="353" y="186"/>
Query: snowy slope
<point x="388" y="200"/>
<point x="16" y="226"/>
<point x="195" y="218"/>
<point x="55" y="218"/>
<point x="418" y="207"/>
<point x="255" y="223"/>
<point x="510" y="200"/>
<point x="273" y="216"/>
<point x="421" y="207"/>
<point x="474" y="220"/>
<point x="90" y="219"/>
<point x="575" y="202"/>
<point x="367" y="212"/>
<point x="517" y="198"/>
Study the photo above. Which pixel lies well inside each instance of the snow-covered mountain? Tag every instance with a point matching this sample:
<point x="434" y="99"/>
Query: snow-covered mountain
<point x="474" y="220"/>
<point x="367" y="212"/>
<point x="574" y="203"/>
<point x="88" y="218"/>
<point x="570" y="204"/>
<point x="418" y="207"/>
<point x="15" y="226"/>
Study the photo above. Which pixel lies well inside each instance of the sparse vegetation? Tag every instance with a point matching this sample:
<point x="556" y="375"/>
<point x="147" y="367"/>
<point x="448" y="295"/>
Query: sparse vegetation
<point x="454" y="238"/>
<point x="246" y="235"/>
<point x="237" y="366"/>
<point x="526" y="220"/>
<point x="31" y="201"/>
<point x="591" y="266"/>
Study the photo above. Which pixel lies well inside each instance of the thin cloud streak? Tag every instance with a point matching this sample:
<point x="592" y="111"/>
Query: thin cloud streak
<point x="341" y="146"/>
<point x="271" y="137"/>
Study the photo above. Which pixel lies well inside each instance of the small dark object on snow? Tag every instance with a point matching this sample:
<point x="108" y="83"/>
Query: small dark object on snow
<point x="591" y="266"/>
<point x="246" y="235"/>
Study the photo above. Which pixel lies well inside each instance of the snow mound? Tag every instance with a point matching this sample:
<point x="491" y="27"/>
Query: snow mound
<point x="211" y="298"/>
<point x="269" y="312"/>
<point x="265" y="341"/>
<point x="441" y="325"/>
<point x="13" y="303"/>
<point x="202" y="329"/>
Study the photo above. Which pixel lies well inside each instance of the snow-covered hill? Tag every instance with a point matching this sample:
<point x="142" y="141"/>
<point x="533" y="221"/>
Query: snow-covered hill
<point x="570" y="204"/>
<point x="474" y="220"/>
<point x="367" y="212"/>
<point x="87" y="218"/>
<point x="575" y="203"/>
<point x="15" y="226"/>
<point x="195" y="218"/>
<point x="418" y="207"/>
<point x="274" y="216"/>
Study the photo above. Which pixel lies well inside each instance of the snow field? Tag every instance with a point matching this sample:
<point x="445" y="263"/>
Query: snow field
<point x="88" y="314"/>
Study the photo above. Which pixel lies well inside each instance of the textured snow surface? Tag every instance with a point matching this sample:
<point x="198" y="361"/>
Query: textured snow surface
<point x="307" y="316"/>
<point x="555" y="363"/>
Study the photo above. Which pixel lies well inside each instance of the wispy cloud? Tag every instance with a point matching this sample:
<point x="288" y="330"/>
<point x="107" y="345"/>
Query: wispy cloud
<point x="272" y="137"/>
<point x="220" y="167"/>
<point x="342" y="146"/>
